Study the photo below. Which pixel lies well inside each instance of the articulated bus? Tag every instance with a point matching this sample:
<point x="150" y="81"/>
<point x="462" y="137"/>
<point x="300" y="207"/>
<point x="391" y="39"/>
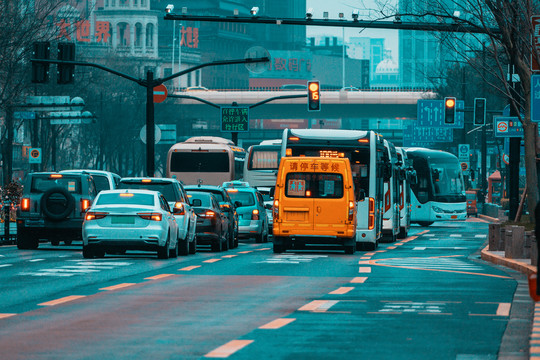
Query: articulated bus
<point x="262" y="163"/>
<point x="439" y="193"/>
<point x="365" y="151"/>
<point x="391" y="195"/>
<point x="205" y="160"/>
<point x="408" y="177"/>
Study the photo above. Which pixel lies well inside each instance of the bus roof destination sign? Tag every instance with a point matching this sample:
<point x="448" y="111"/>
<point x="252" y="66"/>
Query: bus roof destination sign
<point x="235" y="118"/>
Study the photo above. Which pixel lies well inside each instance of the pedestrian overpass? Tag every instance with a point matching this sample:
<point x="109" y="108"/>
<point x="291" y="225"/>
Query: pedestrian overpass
<point x="334" y="104"/>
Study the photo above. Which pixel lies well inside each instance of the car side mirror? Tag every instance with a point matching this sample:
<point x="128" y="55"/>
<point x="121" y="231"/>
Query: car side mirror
<point x="225" y="207"/>
<point x="268" y="206"/>
<point x="196" y="202"/>
<point x="361" y="195"/>
<point x="237" y="204"/>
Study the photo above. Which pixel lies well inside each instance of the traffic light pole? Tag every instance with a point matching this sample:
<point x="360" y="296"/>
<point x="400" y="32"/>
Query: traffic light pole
<point x="149" y="83"/>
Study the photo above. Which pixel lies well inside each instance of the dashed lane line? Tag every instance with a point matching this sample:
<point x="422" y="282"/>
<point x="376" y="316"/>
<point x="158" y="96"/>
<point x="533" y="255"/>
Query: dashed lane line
<point x="189" y="268"/>
<point x="359" y="280"/>
<point x="342" y="290"/>
<point x="318" y="305"/>
<point x="277" y="324"/>
<point x="62" y="300"/>
<point x="116" y="287"/>
<point x="3" y="316"/>
<point x="228" y="349"/>
<point x="157" y="277"/>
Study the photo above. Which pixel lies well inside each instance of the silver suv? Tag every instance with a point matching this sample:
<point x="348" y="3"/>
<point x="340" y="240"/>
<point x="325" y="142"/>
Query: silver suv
<point x="52" y="207"/>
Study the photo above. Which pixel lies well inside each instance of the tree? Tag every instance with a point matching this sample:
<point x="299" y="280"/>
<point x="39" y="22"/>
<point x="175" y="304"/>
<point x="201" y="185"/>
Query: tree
<point x="509" y="44"/>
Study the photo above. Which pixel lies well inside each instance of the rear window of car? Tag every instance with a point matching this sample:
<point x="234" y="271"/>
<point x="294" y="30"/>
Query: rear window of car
<point x="217" y="193"/>
<point x="125" y="199"/>
<point x="41" y="184"/>
<point x="314" y="185"/>
<point x="166" y="189"/>
<point x="245" y="198"/>
<point x="205" y="198"/>
<point x="102" y="182"/>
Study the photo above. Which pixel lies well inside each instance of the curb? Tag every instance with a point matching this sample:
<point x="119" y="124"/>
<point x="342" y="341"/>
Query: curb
<point x="517" y="265"/>
<point x="492" y="219"/>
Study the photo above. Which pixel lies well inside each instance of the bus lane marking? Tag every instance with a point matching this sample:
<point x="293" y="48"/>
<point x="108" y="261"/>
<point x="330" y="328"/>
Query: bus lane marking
<point x="228" y="256"/>
<point x="189" y="268"/>
<point x="156" y="277"/>
<point x="318" y="305"/>
<point x="278" y="323"/>
<point x="211" y="260"/>
<point x="342" y="290"/>
<point x="119" y="286"/>
<point x="228" y="349"/>
<point x="364" y="269"/>
<point x="359" y="280"/>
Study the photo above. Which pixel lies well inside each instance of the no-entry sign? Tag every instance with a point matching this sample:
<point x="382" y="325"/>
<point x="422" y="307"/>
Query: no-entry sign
<point x="160" y="93"/>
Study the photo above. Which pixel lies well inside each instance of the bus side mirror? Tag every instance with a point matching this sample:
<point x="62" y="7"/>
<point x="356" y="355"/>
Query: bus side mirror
<point x="272" y="191"/>
<point x="361" y="195"/>
<point x="387" y="171"/>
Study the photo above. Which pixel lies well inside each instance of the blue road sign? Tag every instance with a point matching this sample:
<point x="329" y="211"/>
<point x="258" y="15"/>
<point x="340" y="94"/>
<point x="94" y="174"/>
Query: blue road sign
<point x="535" y="98"/>
<point x="507" y="126"/>
<point x="430" y="113"/>
<point x="27" y="115"/>
<point x="424" y="136"/>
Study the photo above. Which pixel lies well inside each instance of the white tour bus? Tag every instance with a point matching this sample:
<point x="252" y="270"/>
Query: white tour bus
<point x="439" y="193"/>
<point x="407" y="176"/>
<point x="205" y="160"/>
<point x="365" y="150"/>
<point x="262" y="163"/>
<point x="391" y="195"/>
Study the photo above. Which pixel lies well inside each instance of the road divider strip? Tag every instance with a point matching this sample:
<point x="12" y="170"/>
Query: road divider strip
<point x="211" y="260"/>
<point x="342" y="290"/>
<point x="228" y="349"/>
<point x="62" y="300"/>
<point x="3" y="316"/>
<point x="359" y="280"/>
<point x="278" y="323"/>
<point x="157" y="277"/>
<point x="189" y="268"/>
<point x="116" y="287"/>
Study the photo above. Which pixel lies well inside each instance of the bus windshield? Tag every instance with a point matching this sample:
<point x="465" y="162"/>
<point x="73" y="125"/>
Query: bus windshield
<point x="199" y="162"/>
<point x="264" y="157"/>
<point x="447" y="179"/>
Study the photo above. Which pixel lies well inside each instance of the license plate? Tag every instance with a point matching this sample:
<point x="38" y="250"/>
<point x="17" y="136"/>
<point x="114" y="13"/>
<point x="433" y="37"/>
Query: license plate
<point x="453" y="217"/>
<point x="122" y="220"/>
<point x="296" y="215"/>
<point x="37" y="222"/>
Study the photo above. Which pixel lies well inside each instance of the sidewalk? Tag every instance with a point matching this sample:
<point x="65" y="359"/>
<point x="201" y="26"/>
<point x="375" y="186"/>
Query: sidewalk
<point x="524" y="310"/>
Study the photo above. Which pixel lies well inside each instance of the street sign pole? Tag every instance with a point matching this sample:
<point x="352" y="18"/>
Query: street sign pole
<point x="150" y="131"/>
<point x="514" y="153"/>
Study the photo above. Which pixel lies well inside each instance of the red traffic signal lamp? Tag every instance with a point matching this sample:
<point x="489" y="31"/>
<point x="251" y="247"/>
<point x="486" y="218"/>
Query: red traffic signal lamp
<point x="449" y="110"/>
<point x="314" y="96"/>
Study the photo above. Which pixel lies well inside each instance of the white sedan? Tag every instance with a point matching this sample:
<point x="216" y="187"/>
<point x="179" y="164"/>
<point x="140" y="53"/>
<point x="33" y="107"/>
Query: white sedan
<point x="121" y="220"/>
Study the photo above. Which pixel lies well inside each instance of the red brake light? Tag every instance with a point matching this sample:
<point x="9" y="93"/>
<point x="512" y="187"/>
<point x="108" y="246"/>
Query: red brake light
<point x="255" y="215"/>
<point x="351" y="211"/>
<point x="208" y="214"/>
<point x="56" y="176"/>
<point x="275" y="210"/>
<point x="95" y="215"/>
<point x="25" y="204"/>
<point x="85" y="204"/>
<point x="179" y="208"/>
<point x="150" y="216"/>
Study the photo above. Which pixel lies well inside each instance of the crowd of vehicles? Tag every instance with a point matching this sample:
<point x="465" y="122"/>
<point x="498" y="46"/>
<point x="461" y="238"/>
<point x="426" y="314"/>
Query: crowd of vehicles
<point x="347" y="188"/>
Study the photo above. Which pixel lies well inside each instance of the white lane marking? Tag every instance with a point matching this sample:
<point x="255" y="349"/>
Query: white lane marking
<point x="480" y="236"/>
<point x="5" y="265"/>
<point x="364" y="269"/>
<point x="429" y="235"/>
<point x="70" y="270"/>
<point x="413" y="307"/>
<point x="79" y="267"/>
<point x="36" y="260"/>
<point x="94" y="262"/>
<point x="48" y="274"/>
<point x="291" y="259"/>
<point x="455" y="235"/>
<point x="432" y="263"/>
<point x="419" y="248"/>
<point x="102" y="267"/>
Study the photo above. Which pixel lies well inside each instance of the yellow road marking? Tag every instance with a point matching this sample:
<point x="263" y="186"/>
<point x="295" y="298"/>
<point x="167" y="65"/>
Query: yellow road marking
<point x="158" y="277"/>
<point x="391" y="247"/>
<point x="211" y="260"/>
<point x="369" y="254"/>
<point x="263" y="249"/>
<point x="228" y="349"/>
<point x="423" y="232"/>
<point x="228" y="256"/>
<point x="3" y="316"/>
<point x="399" y="244"/>
<point x="276" y="324"/>
<point x="189" y="268"/>
<point x="245" y="252"/>
<point x="342" y="290"/>
<point x="359" y="280"/>
<point x="364" y="269"/>
<point x="61" y="300"/>
<point x="365" y="257"/>
<point x="503" y="309"/>
<point x="119" y="286"/>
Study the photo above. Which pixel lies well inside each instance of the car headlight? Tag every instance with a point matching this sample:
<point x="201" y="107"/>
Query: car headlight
<point x="437" y="209"/>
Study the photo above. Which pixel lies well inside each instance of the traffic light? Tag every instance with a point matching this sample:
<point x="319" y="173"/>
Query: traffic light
<point x="479" y="111"/>
<point x="449" y="110"/>
<point x="66" y="73"/>
<point x="314" y="96"/>
<point x="40" y="71"/>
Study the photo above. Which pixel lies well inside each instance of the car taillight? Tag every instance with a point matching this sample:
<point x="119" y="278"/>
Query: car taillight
<point x="95" y="215"/>
<point x="25" y="204"/>
<point x="255" y="215"/>
<point x="371" y="222"/>
<point x="85" y="204"/>
<point x="150" y="216"/>
<point x="208" y="214"/>
<point x="275" y="210"/>
<point x="351" y="211"/>
<point x="179" y="208"/>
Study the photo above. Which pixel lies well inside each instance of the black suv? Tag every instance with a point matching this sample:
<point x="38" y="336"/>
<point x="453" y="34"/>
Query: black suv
<point x="52" y="207"/>
<point x="227" y="206"/>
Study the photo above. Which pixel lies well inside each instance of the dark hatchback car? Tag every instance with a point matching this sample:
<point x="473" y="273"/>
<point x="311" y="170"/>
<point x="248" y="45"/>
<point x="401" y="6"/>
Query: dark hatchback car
<point x="226" y="205"/>
<point x="52" y="207"/>
<point x="212" y="223"/>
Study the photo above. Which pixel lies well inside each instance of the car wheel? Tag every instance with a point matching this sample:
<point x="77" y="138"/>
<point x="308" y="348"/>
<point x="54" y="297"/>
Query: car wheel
<point x="193" y="246"/>
<point x="87" y="252"/>
<point x="57" y="203"/>
<point x="230" y="239"/>
<point x="369" y="246"/>
<point x="259" y="238"/>
<point x="68" y="242"/>
<point x="26" y="241"/>
<point x="183" y="246"/>
<point x="425" y="223"/>
<point x="55" y="242"/>
<point x="216" y="245"/>
<point x="402" y="233"/>
<point x="163" y="251"/>
<point x="225" y="245"/>
<point x="278" y="249"/>
<point x="173" y="253"/>
<point x="350" y="249"/>
<point x="99" y="253"/>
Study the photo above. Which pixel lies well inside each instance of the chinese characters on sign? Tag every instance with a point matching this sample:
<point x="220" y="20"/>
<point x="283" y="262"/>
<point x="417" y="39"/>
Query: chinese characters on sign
<point x="290" y="64"/>
<point x="304" y="166"/>
<point x="235" y="119"/>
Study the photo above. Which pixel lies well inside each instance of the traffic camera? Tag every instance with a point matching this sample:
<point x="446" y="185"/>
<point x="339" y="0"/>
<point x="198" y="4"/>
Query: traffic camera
<point x="314" y="96"/>
<point x="449" y="110"/>
<point x="479" y="111"/>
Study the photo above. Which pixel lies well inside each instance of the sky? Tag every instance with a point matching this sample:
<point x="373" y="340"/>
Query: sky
<point x="347" y="6"/>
